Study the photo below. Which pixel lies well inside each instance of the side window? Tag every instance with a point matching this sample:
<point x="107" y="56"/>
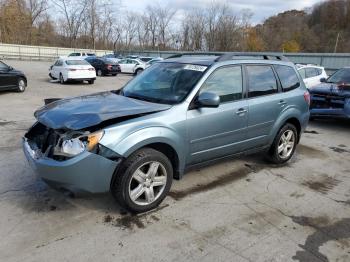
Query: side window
<point x="122" y="62"/>
<point x="3" y="66"/>
<point x="261" y="80"/>
<point x="319" y="71"/>
<point x="226" y="82"/>
<point x="288" y="77"/>
<point x="302" y="73"/>
<point x="310" y="72"/>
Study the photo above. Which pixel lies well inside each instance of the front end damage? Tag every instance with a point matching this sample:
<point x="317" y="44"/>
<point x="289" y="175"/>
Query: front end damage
<point x="69" y="159"/>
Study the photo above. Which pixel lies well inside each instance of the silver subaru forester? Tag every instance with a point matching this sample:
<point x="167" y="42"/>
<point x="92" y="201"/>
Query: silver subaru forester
<point x="184" y="111"/>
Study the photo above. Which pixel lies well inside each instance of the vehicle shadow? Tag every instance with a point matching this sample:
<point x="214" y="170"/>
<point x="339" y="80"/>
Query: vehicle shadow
<point x="330" y="123"/>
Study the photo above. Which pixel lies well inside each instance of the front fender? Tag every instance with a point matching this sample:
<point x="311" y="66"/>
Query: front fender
<point x="143" y="137"/>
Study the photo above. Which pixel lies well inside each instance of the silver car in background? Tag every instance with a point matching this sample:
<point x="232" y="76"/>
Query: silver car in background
<point x="182" y="112"/>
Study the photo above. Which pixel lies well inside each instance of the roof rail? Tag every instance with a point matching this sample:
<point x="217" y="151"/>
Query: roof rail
<point x="234" y="55"/>
<point x="252" y="55"/>
<point x="194" y="54"/>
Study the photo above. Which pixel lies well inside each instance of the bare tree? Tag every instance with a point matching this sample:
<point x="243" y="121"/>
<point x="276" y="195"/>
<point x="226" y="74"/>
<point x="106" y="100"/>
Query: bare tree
<point x="73" y="12"/>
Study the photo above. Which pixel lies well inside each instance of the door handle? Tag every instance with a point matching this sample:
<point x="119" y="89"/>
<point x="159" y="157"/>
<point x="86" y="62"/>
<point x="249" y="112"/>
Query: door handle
<point x="241" y="111"/>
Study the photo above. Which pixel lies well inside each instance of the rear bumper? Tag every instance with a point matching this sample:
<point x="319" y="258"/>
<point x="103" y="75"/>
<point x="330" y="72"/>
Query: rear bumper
<point x="86" y="172"/>
<point x="81" y="79"/>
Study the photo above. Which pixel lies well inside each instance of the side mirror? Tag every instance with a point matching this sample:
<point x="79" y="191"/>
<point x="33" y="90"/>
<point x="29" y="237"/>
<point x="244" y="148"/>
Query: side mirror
<point x="207" y="99"/>
<point x="323" y="80"/>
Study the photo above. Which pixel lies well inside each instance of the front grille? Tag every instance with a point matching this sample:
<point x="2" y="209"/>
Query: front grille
<point x="327" y="101"/>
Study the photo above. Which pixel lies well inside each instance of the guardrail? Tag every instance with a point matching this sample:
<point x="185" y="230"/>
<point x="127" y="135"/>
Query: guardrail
<point x="25" y="52"/>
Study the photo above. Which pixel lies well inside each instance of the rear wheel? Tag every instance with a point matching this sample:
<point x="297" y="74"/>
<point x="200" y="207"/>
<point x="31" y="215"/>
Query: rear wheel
<point x="62" y="80"/>
<point x="284" y="144"/>
<point x="138" y="71"/>
<point x="91" y="81"/>
<point x="114" y="74"/>
<point x="21" y="85"/>
<point x="99" y="72"/>
<point x="143" y="180"/>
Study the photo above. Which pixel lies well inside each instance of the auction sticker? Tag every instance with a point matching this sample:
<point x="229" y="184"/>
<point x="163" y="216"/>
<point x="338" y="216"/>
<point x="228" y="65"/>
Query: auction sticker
<point x="195" y="68"/>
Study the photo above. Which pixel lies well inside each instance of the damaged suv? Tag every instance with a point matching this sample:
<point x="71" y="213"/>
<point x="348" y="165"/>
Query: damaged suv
<point x="182" y="112"/>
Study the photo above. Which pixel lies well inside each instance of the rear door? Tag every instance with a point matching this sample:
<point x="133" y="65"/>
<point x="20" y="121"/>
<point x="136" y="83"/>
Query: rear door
<point x="218" y="132"/>
<point x="264" y="101"/>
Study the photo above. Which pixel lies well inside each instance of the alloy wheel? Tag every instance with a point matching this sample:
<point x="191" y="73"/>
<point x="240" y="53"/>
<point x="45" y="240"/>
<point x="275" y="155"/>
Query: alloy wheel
<point x="21" y="85"/>
<point x="147" y="183"/>
<point x="286" y="144"/>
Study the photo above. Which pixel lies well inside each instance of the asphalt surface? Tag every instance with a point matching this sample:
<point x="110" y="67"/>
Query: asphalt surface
<point x="239" y="210"/>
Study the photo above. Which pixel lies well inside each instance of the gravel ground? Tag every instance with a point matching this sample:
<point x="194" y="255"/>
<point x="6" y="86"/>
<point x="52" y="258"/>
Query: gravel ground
<point x="238" y="210"/>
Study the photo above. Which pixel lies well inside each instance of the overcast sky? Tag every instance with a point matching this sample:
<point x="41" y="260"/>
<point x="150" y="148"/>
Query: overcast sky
<point x="261" y="8"/>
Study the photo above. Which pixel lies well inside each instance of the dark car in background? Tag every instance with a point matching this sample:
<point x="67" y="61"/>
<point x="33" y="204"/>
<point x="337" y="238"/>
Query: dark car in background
<point x="331" y="98"/>
<point x="103" y="66"/>
<point x="11" y="79"/>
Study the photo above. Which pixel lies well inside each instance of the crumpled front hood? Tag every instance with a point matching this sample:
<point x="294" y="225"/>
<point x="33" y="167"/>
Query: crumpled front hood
<point x="330" y="89"/>
<point x="90" y="110"/>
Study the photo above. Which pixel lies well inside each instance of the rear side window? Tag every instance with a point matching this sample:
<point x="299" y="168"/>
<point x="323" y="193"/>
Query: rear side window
<point x="288" y="77"/>
<point x="226" y="82"/>
<point x="310" y="72"/>
<point x="261" y="80"/>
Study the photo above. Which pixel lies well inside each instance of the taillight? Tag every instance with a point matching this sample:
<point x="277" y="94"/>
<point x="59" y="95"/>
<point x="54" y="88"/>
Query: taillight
<point x="307" y="98"/>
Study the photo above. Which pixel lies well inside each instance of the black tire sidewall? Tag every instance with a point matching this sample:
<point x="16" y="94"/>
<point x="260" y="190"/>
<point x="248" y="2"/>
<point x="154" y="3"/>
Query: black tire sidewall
<point x="125" y="174"/>
<point x="274" y="156"/>
<point x="61" y="79"/>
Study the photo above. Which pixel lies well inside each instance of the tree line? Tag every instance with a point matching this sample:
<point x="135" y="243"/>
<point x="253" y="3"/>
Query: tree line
<point x="105" y="24"/>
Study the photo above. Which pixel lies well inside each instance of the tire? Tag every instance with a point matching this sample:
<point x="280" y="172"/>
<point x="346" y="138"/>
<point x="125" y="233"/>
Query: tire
<point x="114" y="74"/>
<point x="91" y="82"/>
<point x="53" y="78"/>
<point x="21" y="85"/>
<point x="99" y="72"/>
<point x="62" y="82"/>
<point x="135" y="176"/>
<point x="138" y="71"/>
<point x="282" y="142"/>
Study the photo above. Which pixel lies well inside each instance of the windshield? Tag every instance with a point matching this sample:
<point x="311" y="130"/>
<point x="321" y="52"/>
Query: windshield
<point x="167" y="83"/>
<point x="76" y="62"/>
<point x="340" y="76"/>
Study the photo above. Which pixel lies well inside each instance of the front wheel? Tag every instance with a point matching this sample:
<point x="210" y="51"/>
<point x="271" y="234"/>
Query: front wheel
<point x="143" y="181"/>
<point x="21" y="85"/>
<point x="284" y="145"/>
<point x="99" y="72"/>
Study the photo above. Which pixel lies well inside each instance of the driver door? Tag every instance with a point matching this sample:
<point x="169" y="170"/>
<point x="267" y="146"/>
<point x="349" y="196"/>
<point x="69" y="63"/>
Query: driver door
<point x="218" y="132"/>
<point x="6" y="80"/>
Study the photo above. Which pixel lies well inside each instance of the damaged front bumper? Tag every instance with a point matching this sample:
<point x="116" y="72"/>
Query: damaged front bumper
<point x="87" y="171"/>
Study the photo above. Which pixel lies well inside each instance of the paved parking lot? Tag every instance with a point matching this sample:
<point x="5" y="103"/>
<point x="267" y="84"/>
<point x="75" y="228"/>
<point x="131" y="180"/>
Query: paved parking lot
<point x="238" y="210"/>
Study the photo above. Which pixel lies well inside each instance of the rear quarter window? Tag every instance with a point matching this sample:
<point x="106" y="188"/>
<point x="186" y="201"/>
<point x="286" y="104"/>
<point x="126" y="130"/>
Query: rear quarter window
<point x="288" y="77"/>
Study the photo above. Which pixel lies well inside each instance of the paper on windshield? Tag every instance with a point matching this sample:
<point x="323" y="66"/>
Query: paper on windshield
<point x="195" y="68"/>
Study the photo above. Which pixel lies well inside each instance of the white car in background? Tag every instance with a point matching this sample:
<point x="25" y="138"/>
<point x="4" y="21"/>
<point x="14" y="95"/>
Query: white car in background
<point x="68" y="69"/>
<point x="81" y="55"/>
<point x="133" y="66"/>
<point x="312" y="74"/>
